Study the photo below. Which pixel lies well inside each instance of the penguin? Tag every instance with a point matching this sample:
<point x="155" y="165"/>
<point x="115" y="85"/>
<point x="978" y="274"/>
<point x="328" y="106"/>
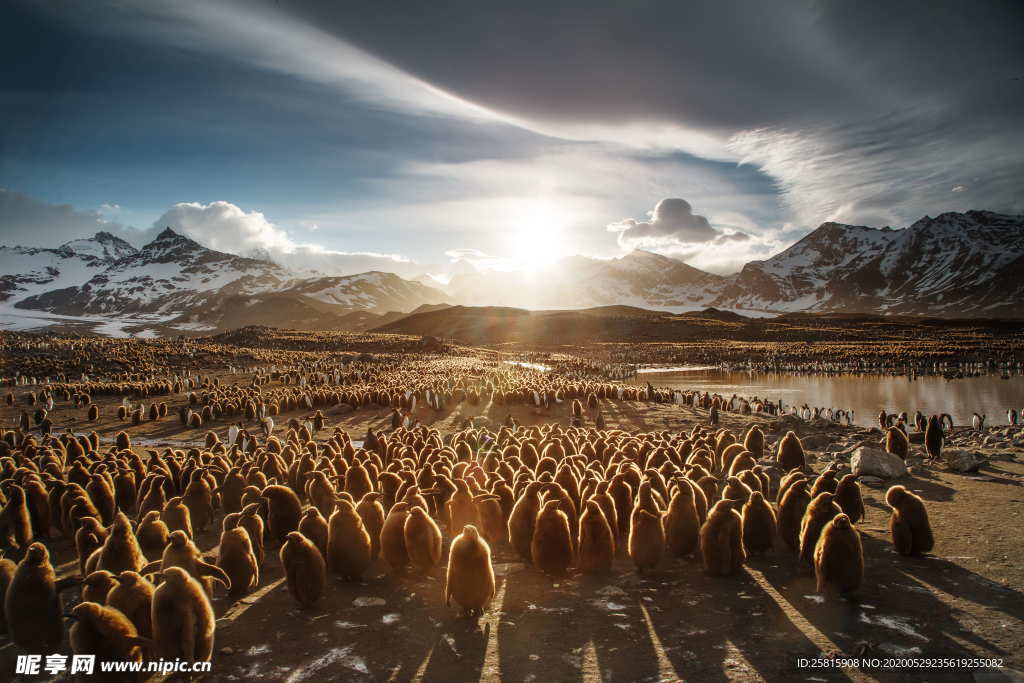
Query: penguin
<point x="183" y="619"/>
<point x="820" y="511"/>
<point x="96" y="585"/>
<point x="849" y="498"/>
<point x="682" y="522"/>
<point x="646" y="543"/>
<point x="121" y="551"/>
<point x="523" y="520"/>
<point x="978" y="422"/>
<point x="31" y="605"/>
<point x="314" y="527"/>
<point x="470" y="577"/>
<point x="551" y="545"/>
<point x="896" y="442"/>
<point x="838" y="556"/>
<point x="908" y="524"/>
<point x="422" y="540"/>
<point x="284" y="510"/>
<point x="235" y="556"/>
<point x="133" y="596"/>
<point x="304" y="568"/>
<point x="392" y="538"/>
<point x="758" y="524"/>
<point x="7" y="569"/>
<point x="790" y="453"/>
<point x="721" y="540"/>
<point x="107" y="634"/>
<point x="182" y="552"/>
<point x="791" y="513"/>
<point x="933" y="437"/>
<point x="348" y="544"/>
<point x="596" y="546"/>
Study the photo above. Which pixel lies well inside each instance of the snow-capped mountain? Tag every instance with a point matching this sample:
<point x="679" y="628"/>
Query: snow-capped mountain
<point x="25" y="271"/>
<point x="175" y="280"/>
<point x="952" y="265"/>
<point x="639" y="278"/>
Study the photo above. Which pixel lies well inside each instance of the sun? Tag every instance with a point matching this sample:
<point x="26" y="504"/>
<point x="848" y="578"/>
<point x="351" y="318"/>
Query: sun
<point x="537" y="237"/>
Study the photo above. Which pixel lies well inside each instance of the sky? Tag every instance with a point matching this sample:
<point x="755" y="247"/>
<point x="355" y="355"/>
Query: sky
<point x="411" y="136"/>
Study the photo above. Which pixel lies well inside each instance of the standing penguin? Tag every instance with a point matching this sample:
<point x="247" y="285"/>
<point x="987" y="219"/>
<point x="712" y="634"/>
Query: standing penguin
<point x="758" y="524"/>
<point x="422" y="540"/>
<point x="911" y="531"/>
<point x="849" y="498"/>
<point x="183" y="620"/>
<point x="646" y="543"/>
<point x="721" y="540"/>
<point x="821" y="510"/>
<point x="933" y="437"/>
<point x="682" y="522"/>
<point x="978" y="422"/>
<point x="348" y="544"/>
<point x="551" y="545"/>
<point x="470" y="578"/>
<point x="838" y="556"/>
<point x="304" y="569"/>
<point x="596" y="547"/>
<point x="31" y="606"/>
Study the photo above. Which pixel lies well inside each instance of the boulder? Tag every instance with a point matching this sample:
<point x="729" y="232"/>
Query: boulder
<point x="960" y="460"/>
<point x="815" y="442"/>
<point x="875" y="461"/>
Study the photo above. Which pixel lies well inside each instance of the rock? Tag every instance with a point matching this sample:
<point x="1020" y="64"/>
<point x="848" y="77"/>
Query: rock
<point x="869" y="481"/>
<point x="916" y="437"/>
<point x="816" y="442"/>
<point x="227" y="651"/>
<point x="960" y="460"/>
<point x="874" y="461"/>
<point x="481" y="421"/>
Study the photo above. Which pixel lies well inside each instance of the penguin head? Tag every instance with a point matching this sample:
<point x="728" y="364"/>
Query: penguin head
<point x="469" y="531"/>
<point x="841" y="522"/>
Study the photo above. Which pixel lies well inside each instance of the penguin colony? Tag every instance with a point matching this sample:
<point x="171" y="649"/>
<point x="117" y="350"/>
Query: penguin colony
<point x="305" y="495"/>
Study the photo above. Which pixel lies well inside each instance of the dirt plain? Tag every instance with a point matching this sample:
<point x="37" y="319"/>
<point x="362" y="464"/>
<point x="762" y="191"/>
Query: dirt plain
<point x="964" y="600"/>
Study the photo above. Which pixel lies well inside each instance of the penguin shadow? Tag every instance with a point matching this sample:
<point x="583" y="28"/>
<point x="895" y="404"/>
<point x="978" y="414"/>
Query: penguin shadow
<point x="565" y="628"/>
<point x="726" y="628"/>
<point x="891" y="614"/>
<point x="992" y="473"/>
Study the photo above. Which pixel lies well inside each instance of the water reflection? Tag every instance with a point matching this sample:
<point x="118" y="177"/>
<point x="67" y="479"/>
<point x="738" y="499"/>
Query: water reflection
<point x="866" y="395"/>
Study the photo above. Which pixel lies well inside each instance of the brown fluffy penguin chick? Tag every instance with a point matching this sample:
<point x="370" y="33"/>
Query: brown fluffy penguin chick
<point x="646" y="540"/>
<point x="523" y="520"/>
<point x="911" y="531"/>
<point x="152" y="534"/>
<point x="838" y="556"/>
<point x="314" y="527"/>
<point x="849" y="498"/>
<point x="304" y="569"/>
<point x="183" y="620"/>
<point x="392" y="538"/>
<point x="790" y="453"/>
<point x="133" y="595"/>
<point x="31" y="606"/>
<point x="348" y="545"/>
<point x="7" y="569"/>
<point x="106" y="633"/>
<point x="820" y="511"/>
<point x="182" y="552"/>
<point x="284" y="510"/>
<point x="96" y="585"/>
<point x="176" y="516"/>
<point x="759" y="525"/>
<point x="372" y="513"/>
<point x="121" y="551"/>
<point x="596" y="548"/>
<point x="896" y="442"/>
<point x="492" y="518"/>
<point x="470" y="578"/>
<point x="422" y="540"/>
<point x="88" y="539"/>
<point x="682" y="523"/>
<point x="15" y="522"/>
<point x="721" y="540"/>
<point x="236" y="558"/>
<point x="551" y="546"/>
<point x="826" y="482"/>
<point x="791" y="513"/>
